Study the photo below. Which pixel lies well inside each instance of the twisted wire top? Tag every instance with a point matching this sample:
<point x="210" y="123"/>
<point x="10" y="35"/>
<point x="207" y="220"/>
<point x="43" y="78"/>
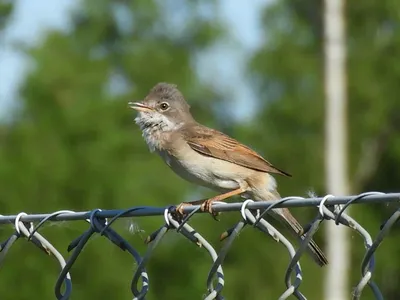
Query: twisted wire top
<point x="330" y="208"/>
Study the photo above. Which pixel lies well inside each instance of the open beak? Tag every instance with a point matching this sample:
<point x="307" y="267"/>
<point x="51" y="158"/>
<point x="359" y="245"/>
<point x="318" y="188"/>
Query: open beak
<point x="140" y="106"/>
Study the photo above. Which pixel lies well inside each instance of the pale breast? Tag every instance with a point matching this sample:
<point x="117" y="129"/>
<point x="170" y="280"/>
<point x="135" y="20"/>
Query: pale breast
<point x="203" y="170"/>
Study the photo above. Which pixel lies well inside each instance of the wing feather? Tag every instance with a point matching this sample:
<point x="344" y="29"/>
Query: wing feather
<point x="213" y="143"/>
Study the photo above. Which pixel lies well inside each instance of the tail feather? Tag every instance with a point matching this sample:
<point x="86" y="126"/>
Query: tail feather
<point x="284" y="216"/>
<point x="298" y="231"/>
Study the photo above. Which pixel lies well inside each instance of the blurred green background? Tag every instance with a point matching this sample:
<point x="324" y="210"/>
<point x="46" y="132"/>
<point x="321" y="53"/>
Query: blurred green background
<point x="70" y="142"/>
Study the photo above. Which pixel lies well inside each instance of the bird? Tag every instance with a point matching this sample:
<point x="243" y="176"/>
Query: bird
<point x="210" y="158"/>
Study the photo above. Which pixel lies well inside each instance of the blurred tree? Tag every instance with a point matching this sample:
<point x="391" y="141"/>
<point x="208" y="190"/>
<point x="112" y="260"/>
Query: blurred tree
<point x="73" y="143"/>
<point x="287" y="73"/>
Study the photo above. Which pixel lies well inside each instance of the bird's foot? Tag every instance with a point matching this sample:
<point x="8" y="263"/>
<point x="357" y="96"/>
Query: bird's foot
<point x="180" y="207"/>
<point x="207" y="206"/>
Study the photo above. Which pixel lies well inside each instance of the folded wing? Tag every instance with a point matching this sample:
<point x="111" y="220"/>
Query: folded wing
<point x="213" y="143"/>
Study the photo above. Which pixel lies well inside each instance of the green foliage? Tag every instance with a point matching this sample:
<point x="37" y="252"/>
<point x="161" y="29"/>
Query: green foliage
<point x="6" y="9"/>
<point x="73" y="143"/>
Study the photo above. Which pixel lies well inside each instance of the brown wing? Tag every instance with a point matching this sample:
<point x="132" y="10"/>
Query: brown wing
<point x="213" y="143"/>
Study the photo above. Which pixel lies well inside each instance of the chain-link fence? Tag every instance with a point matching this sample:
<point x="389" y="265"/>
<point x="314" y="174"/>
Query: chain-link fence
<point x="252" y="215"/>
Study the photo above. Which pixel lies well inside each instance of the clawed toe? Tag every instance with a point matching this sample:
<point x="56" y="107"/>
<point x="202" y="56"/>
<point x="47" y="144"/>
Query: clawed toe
<point x="180" y="207"/>
<point x="207" y="206"/>
<point x="204" y="206"/>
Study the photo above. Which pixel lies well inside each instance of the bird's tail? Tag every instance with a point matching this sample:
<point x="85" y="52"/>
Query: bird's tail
<point x="285" y="217"/>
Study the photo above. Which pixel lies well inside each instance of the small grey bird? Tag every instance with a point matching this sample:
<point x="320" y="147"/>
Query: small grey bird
<point x="209" y="158"/>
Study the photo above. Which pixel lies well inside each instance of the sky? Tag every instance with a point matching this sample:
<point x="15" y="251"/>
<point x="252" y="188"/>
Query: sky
<point x="31" y="20"/>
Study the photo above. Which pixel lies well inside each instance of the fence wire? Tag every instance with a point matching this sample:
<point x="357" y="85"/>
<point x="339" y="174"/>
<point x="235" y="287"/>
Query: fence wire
<point x="252" y="215"/>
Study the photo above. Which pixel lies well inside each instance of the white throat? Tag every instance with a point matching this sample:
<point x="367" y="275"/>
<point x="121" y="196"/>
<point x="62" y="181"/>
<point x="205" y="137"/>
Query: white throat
<point x="154" y="125"/>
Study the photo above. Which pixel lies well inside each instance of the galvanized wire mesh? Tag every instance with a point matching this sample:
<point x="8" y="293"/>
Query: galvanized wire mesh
<point x="99" y="221"/>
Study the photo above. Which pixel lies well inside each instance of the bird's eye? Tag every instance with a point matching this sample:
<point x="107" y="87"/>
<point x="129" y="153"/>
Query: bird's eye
<point x="164" y="106"/>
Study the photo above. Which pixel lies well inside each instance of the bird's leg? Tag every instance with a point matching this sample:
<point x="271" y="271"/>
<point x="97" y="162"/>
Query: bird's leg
<point x="207" y="205"/>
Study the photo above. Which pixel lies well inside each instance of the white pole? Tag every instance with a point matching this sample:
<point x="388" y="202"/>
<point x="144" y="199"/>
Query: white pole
<point x="336" y="281"/>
